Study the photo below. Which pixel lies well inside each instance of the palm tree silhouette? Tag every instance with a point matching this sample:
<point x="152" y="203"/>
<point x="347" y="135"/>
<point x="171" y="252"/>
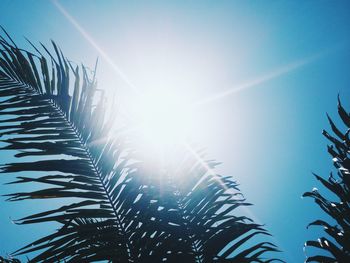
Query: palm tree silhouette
<point x="336" y="244"/>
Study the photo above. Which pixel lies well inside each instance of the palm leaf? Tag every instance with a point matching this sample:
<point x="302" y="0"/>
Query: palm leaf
<point x="116" y="208"/>
<point x="338" y="247"/>
<point x="9" y="260"/>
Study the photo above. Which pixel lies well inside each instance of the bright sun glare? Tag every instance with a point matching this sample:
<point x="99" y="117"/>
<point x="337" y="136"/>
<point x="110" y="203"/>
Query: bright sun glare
<point x="161" y="118"/>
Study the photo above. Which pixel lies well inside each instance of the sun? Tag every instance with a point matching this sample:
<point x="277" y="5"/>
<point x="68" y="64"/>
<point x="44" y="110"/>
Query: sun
<point x="161" y="118"/>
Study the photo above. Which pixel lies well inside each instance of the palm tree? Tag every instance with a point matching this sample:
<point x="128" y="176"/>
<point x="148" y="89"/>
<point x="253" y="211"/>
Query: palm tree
<point x="336" y="244"/>
<point x="116" y="208"/>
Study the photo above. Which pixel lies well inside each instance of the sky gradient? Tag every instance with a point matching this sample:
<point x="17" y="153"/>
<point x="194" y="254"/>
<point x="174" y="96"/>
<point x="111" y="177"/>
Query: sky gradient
<point x="264" y="74"/>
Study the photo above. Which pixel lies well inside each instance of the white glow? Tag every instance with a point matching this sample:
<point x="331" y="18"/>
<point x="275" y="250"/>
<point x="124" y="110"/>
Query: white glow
<point x="161" y="118"/>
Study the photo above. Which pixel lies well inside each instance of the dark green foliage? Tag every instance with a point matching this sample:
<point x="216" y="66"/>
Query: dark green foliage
<point x="337" y="239"/>
<point x="116" y="209"/>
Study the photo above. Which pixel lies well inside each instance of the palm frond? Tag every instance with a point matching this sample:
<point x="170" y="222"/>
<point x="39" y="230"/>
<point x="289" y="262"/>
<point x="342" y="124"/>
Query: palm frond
<point x="9" y="260"/>
<point x="337" y="243"/>
<point x="115" y="207"/>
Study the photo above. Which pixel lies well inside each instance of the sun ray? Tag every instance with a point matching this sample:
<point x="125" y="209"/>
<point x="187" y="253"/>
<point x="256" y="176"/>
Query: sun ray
<point x="267" y="77"/>
<point x="94" y="44"/>
<point x="205" y="165"/>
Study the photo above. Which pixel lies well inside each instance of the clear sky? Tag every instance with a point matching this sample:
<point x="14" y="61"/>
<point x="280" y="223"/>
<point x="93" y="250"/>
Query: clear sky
<point x="263" y="72"/>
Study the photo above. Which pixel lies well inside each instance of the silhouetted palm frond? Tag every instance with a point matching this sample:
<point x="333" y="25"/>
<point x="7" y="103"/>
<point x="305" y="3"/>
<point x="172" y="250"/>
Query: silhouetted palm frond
<point x="337" y="240"/>
<point x="116" y="207"/>
<point x="9" y="260"/>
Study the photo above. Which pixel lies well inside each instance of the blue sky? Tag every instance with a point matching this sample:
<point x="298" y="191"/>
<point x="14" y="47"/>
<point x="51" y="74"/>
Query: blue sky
<point x="274" y="68"/>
